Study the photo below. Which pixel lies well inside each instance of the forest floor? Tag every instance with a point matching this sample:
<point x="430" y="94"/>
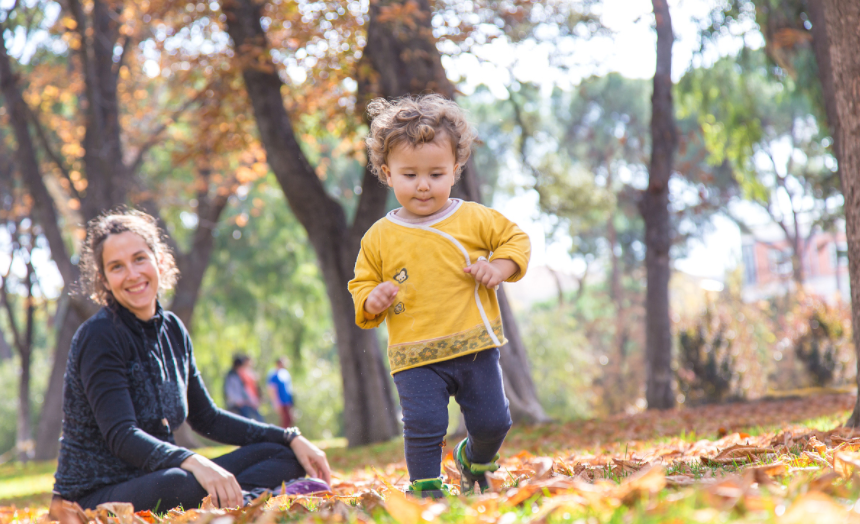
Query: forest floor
<point x="782" y="460"/>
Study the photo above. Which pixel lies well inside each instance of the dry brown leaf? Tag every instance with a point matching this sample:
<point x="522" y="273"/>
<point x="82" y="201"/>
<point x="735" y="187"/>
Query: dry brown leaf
<point x="815" y="445"/>
<point x="568" y="503"/>
<point x="815" y="507"/>
<point x="824" y="483"/>
<point x="676" y="481"/>
<point x="846" y="462"/>
<point x="541" y="467"/>
<point x="124" y="512"/>
<point x="768" y="470"/>
<point x="496" y="480"/>
<point x="409" y="510"/>
<point x="370" y="500"/>
<point x="648" y="481"/>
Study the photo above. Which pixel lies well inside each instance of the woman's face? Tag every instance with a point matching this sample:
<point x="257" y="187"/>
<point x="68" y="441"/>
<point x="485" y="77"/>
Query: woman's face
<point x="131" y="273"/>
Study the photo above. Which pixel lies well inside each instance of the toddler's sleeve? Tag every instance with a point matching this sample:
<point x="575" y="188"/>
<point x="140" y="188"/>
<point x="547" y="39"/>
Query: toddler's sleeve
<point x="508" y="241"/>
<point x="368" y="275"/>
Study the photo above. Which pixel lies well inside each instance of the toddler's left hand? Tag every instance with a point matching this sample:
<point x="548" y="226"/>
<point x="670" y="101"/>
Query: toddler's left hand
<point x="485" y="273"/>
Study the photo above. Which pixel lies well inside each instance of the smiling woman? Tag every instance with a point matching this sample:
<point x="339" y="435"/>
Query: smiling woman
<point x="131" y="378"/>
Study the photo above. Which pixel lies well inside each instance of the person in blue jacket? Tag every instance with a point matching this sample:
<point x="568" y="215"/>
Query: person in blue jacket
<point x="131" y="380"/>
<point x="280" y="386"/>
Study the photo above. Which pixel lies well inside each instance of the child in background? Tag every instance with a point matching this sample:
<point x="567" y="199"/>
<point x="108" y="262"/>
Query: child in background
<point x="430" y="270"/>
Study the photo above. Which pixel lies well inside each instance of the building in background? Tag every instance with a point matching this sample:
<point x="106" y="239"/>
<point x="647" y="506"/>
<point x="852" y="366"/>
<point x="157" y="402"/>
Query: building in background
<point x="766" y="257"/>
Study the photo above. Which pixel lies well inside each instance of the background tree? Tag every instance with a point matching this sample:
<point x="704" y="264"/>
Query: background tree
<point x="77" y="157"/>
<point x="842" y="18"/>
<point x="654" y="206"/>
<point x="762" y="124"/>
<point x="23" y="240"/>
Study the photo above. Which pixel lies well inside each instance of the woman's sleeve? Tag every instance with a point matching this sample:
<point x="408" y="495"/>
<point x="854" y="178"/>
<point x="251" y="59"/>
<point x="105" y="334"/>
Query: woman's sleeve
<point x="104" y="376"/>
<point x="220" y="425"/>
<point x="508" y="241"/>
<point x="368" y="275"/>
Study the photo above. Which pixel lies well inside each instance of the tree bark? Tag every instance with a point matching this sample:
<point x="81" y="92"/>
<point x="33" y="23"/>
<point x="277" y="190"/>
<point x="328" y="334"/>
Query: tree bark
<point x="821" y="48"/>
<point x="654" y="207"/>
<point x="403" y="60"/>
<point x="369" y="414"/>
<point x="67" y="319"/>
<point x="5" y="349"/>
<point x="842" y="19"/>
<point x="192" y="265"/>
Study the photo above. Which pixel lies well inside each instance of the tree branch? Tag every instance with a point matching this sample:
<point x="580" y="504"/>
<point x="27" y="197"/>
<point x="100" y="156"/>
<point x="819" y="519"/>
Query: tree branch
<point x="25" y="155"/>
<point x="125" y="46"/>
<point x="4" y="297"/>
<point x="55" y="158"/>
<point x="155" y="135"/>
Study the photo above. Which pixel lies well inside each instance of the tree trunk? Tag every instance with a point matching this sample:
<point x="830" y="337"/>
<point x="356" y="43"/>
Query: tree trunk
<point x="402" y="54"/>
<point x="613" y="389"/>
<point x="24" y="436"/>
<point x="5" y="348"/>
<point x="821" y="47"/>
<point x="519" y="386"/>
<point x="658" y="229"/>
<point x="842" y="19"/>
<point x="68" y="318"/>
<point x="369" y="414"/>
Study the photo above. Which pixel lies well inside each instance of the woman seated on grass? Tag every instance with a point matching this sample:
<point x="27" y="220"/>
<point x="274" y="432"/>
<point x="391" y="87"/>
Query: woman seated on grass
<point x="131" y="379"/>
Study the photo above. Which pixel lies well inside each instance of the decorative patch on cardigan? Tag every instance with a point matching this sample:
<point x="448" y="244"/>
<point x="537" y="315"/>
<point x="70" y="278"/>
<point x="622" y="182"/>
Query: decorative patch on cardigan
<point x="401" y="276"/>
<point x="413" y="354"/>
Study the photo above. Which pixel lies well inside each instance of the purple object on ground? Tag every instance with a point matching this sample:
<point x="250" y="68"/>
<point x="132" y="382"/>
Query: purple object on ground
<point x="303" y="486"/>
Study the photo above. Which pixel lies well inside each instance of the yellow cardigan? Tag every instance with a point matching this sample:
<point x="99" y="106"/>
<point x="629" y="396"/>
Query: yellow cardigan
<point x="440" y="312"/>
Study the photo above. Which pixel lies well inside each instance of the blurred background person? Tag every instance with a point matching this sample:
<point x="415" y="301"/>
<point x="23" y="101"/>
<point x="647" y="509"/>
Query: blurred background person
<point x="280" y="387"/>
<point x="240" y="390"/>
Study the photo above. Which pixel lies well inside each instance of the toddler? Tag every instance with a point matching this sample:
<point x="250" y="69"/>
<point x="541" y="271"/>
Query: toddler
<point x="430" y="270"/>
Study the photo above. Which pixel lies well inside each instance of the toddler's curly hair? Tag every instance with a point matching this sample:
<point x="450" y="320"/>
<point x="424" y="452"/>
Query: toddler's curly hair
<point x="416" y="120"/>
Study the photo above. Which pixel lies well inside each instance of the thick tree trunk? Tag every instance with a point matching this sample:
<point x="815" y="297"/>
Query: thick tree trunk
<point x="821" y="47"/>
<point x="842" y="19"/>
<point x="68" y="319"/>
<point x="369" y="414"/>
<point x="654" y="206"/>
<point x="192" y="265"/>
<point x="519" y="386"/>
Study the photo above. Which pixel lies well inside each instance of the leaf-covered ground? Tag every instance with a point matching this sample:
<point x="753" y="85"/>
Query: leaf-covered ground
<point x="769" y="461"/>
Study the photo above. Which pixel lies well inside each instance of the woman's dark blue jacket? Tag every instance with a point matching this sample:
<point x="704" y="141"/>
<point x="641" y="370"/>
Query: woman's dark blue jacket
<point x="128" y="385"/>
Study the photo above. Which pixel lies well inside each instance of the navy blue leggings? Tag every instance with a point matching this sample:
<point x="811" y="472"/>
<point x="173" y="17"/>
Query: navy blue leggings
<point x="475" y="382"/>
<point x="263" y="465"/>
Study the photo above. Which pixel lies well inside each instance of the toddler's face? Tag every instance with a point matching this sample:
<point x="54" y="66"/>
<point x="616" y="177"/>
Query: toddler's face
<point x="421" y="176"/>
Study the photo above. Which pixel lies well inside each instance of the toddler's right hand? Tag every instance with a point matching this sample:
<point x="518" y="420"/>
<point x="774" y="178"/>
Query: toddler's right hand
<point x="381" y="298"/>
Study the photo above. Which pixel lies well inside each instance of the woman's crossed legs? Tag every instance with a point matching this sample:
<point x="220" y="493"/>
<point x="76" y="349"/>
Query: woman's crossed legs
<point x="263" y="465"/>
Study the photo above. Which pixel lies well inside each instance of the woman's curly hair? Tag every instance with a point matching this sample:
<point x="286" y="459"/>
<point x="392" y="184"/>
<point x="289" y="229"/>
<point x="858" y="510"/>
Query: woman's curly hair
<point x="114" y="222"/>
<point x="416" y="120"/>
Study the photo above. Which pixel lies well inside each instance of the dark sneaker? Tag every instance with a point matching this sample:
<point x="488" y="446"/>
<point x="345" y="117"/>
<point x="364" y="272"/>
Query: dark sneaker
<point x="428" y="488"/>
<point x="472" y="475"/>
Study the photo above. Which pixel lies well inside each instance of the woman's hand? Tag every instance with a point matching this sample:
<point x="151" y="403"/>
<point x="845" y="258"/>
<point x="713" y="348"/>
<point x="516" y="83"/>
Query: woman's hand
<point x="219" y="483"/>
<point x="311" y="458"/>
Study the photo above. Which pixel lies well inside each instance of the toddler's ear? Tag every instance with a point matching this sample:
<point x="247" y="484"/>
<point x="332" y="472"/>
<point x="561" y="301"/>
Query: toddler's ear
<point x="387" y="172"/>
